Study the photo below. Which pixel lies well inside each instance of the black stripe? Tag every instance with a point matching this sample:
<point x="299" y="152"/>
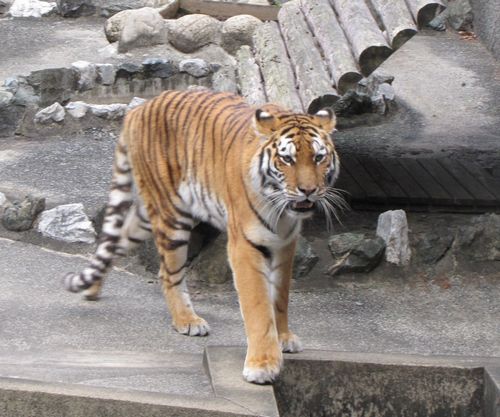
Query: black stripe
<point x="176" y="271"/>
<point x="134" y="239"/>
<point x="265" y="251"/>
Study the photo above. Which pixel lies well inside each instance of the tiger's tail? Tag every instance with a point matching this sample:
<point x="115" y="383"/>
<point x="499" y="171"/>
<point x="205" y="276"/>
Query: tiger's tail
<point x="125" y="225"/>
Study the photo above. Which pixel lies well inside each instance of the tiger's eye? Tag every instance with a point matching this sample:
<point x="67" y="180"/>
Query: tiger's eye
<point x="319" y="158"/>
<point x="287" y="159"/>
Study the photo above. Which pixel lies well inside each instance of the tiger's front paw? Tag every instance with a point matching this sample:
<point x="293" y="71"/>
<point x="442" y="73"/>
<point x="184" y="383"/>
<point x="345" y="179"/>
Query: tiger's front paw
<point x="290" y="343"/>
<point x="262" y="370"/>
<point x="194" y="326"/>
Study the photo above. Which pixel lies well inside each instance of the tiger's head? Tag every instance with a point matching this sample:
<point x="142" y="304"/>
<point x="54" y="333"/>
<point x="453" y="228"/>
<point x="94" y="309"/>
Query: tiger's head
<point x="297" y="164"/>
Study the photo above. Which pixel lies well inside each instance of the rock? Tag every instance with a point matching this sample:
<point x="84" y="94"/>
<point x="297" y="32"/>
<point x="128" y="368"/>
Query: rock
<point x="54" y="84"/>
<point x="158" y="67"/>
<point x="32" y="8"/>
<point x="106" y="74"/>
<point x="211" y="265"/>
<point x="431" y="247"/>
<point x="305" y="259"/>
<point x="113" y="111"/>
<point x="76" y="8"/>
<point x="114" y="25"/>
<point x="169" y="9"/>
<point x="224" y="79"/>
<point x="237" y="31"/>
<point x="135" y="102"/>
<point x="351" y="103"/>
<point x="142" y="27"/>
<point x="19" y="216"/>
<point x="24" y="93"/>
<point x="10" y="118"/>
<point x="3" y="200"/>
<point x="460" y="15"/>
<point x="191" y="32"/>
<point x="6" y="98"/>
<point x="479" y="241"/>
<point x="354" y="252"/>
<point x="68" y="223"/>
<point x="195" y="67"/>
<point x="51" y="114"/>
<point x="87" y="74"/>
<point x="77" y="109"/>
<point x="129" y="70"/>
<point x="392" y="226"/>
<point x="4" y="7"/>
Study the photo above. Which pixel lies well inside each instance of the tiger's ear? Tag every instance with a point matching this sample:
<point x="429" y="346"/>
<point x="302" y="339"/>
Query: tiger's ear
<point x="265" y="123"/>
<point x="325" y="118"/>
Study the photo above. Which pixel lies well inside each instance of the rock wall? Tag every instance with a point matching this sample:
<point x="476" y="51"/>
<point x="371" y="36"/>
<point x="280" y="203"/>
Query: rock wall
<point x="487" y="23"/>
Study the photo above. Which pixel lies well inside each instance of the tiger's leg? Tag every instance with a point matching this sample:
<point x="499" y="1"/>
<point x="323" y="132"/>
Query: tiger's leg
<point x="136" y="228"/>
<point x="281" y="274"/>
<point x="264" y="358"/>
<point x="172" y="244"/>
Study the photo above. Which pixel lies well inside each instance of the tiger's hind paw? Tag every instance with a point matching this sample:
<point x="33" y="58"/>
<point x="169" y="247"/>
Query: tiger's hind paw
<point x="290" y="343"/>
<point x="193" y="327"/>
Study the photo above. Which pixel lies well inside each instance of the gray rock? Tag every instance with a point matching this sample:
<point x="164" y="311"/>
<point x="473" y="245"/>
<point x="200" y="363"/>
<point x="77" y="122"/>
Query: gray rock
<point x="191" y="32"/>
<point x="135" y="102"/>
<point x="106" y="74"/>
<point x="24" y="93"/>
<point x="305" y="259"/>
<point x="10" y="84"/>
<point x="68" y="223"/>
<point x="4" y="7"/>
<point x="211" y="265"/>
<point x="129" y="70"/>
<point x="158" y="67"/>
<point x="54" y="84"/>
<point x="32" y="8"/>
<point x="169" y="9"/>
<point x="238" y="31"/>
<point x="460" y="15"/>
<point x="480" y="241"/>
<point x="142" y="27"/>
<point x="224" y="79"/>
<point x="3" y="199"/>
<point x="76" y="8"/>
<point x="77" y="109"/>
<point x="354" y="252"/>
<point x="113" y="111"/>
<point x="431" y="247"/>
<point x="20" y="215"/>
<point x="87" y="74"/>
<point x="6" y="98"/>
<point x="392" y="226"/>
<point x="195" y="67"/>
<point x="114" y="25"/>
<point x="10" y="119"/>
<point x="51" y="114"/>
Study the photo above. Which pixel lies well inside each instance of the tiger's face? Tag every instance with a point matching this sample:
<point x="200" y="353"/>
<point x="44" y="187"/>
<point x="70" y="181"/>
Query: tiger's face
<point x="298" y="164"/>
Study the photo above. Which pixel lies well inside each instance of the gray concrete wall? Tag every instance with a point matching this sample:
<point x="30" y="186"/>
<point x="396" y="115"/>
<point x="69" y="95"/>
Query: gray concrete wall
<point x="487" y="23"/>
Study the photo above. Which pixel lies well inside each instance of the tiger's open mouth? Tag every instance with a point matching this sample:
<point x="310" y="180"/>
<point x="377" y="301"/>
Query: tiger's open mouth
<point x="302" y="206"/>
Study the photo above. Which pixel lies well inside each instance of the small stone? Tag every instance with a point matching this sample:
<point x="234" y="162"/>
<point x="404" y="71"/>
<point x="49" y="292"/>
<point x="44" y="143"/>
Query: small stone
<point x="32" y="8"/>
<point x="128" y="70"/>
<point x="19" y="216"/>
<point x="51" y="114"/>
<point x="460" y="15"/>
<point x="87" y="74"/>
<point x="393" y="228"/>
<point x="169" y="9"/>
<point x="135" y="102"/>
<point x="113" y="111"/>
<point x="3" y="199"/>
<point x="191" y="32"/>
<point x="479" y="241"/>
<point x="432" y="247"/>
<point x="142" y="27"/>
<point x="106" y="74"/>
<point x="76" y="8"/>
<point x="305" y="259"/>
<point x="344" y="242"/>
<point x="158" y="67"/>
<point x="6" y="98"/>
<point x="11" y="84"/>
<point x="77" y="109"/>
<point x="195" y="67"/>
<point x="237" y="31"/>
<point x="68" y="223"/>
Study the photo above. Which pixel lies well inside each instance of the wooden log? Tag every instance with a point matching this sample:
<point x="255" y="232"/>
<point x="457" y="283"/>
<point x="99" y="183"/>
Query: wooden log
<point x="397" y="20"/>
<point x="368" y="43"/>
<point x="231" y="8"/>
<point x="315" y="86"/>
<point x="279" y="79"/>
<point x="331" y="38"/>
<point x="424" y="11"/>
<point x="249" y="78"/>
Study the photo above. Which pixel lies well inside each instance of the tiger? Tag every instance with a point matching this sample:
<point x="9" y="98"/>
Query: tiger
<point x="192" y="156"/>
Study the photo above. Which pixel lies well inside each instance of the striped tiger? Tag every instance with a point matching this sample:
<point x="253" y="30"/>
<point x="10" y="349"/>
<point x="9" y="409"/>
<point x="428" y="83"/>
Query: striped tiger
<point x="257" y="173"/>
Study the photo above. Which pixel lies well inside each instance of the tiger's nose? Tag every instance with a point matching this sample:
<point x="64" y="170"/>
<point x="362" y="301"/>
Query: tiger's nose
<point x="307" y="191"/>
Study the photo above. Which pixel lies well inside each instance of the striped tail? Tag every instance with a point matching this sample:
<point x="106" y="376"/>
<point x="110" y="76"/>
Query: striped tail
<point x="125" y="225"/>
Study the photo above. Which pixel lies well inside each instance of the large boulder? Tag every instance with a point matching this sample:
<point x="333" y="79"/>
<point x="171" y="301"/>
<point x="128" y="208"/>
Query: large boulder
<point x="142" y="27"/>
<point x="191" y="32"/>
<point x="237" y="31"/>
